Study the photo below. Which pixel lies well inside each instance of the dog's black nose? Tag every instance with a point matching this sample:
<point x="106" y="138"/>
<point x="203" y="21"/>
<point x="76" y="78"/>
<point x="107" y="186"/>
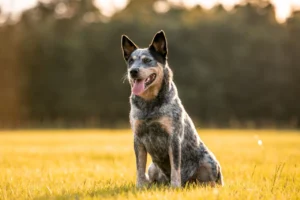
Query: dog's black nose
<point x="134" y="72"/>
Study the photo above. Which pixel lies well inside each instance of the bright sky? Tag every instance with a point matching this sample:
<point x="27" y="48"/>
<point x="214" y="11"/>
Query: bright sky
<point x="283" y="7"/>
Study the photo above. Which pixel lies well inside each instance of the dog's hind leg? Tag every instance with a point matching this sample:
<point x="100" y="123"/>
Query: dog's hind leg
<point x="156" y="175"/>
<point x="209" y="173"/>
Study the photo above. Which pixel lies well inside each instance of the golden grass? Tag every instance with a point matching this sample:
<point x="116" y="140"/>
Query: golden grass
<point x="100" y="164"/>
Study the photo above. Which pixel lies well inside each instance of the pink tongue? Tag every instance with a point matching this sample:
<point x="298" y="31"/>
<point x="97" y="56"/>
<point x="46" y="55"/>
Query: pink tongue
<point x="138" y="87"/>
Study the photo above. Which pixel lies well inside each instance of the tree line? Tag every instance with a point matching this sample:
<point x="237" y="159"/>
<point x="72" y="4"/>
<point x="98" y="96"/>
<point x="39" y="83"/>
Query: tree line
<point x="61" y="64"/>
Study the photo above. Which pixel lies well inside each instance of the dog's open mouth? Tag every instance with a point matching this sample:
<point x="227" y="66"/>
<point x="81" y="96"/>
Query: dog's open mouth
<point x="150" y="79"/>
<point x="140" y="85"/>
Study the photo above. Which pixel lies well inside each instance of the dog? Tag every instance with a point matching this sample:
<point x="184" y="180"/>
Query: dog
<point x="160" y="124"/>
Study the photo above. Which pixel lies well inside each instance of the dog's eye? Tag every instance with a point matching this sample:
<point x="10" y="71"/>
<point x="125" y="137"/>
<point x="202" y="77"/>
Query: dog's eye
<point x="146" y="60"/>
<point x="130" y="61"/>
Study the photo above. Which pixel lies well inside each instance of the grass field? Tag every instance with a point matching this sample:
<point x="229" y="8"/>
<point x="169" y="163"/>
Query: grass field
<point x="100" y="164"/>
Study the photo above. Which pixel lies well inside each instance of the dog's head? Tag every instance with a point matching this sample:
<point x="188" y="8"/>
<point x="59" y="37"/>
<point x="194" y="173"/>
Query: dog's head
<point x="146" y="66"/>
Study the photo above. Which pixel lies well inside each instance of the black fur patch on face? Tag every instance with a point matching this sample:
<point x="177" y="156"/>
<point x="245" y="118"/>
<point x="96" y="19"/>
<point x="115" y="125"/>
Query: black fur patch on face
<point x="161" y="59"/>
<point x="136" y="59"/>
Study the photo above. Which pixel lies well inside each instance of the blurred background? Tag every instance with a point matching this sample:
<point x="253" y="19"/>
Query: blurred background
<point x="235" y="63"/>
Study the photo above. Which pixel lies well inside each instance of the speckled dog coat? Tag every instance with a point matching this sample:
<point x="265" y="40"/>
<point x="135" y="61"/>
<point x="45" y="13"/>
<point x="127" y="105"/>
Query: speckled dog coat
<point x="161" y="126"/>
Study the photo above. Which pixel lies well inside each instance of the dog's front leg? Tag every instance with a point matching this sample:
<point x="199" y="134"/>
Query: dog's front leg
<point x="141" y="160"/>
<point x="175" y="160"/>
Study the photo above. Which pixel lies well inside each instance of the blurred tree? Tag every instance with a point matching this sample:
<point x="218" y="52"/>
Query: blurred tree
<point x="10" y="96"/>
<point x="292" y="50"/>
<point x="62" y="62"/>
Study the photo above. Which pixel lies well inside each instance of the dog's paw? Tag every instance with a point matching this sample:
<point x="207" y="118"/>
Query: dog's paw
<point x="142" y="186"/>
<point x="142" y="183"/>
<point x="175" y="184"/>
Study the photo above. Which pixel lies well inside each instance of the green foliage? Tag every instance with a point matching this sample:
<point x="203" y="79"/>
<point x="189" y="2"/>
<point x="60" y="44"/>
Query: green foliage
<point x="239" y="65"/>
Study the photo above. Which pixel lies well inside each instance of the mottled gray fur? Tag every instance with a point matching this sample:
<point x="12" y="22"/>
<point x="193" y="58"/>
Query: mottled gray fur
<point x="163" y="129"/>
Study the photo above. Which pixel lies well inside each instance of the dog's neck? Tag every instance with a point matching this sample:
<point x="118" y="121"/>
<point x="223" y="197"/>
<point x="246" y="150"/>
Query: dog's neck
<point x="166" y="94"/>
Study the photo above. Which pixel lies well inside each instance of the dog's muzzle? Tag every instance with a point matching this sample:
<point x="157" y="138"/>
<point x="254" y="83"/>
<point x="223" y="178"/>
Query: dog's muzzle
<point x="134" y="72"/>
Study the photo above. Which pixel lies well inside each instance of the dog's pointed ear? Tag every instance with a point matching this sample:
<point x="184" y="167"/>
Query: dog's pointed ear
<point x="127" y="47"/>
<point x="159" y="44"/>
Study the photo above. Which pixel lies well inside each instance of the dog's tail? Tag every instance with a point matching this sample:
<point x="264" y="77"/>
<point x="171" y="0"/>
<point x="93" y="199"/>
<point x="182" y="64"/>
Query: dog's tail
<point x="220" y="180"/>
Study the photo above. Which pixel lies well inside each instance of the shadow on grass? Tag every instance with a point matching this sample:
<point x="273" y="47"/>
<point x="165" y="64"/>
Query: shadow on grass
<point x="107" y="190"/>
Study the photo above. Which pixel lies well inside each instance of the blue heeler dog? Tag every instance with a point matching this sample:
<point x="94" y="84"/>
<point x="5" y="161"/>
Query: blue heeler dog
<point x="160" y="123"/>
